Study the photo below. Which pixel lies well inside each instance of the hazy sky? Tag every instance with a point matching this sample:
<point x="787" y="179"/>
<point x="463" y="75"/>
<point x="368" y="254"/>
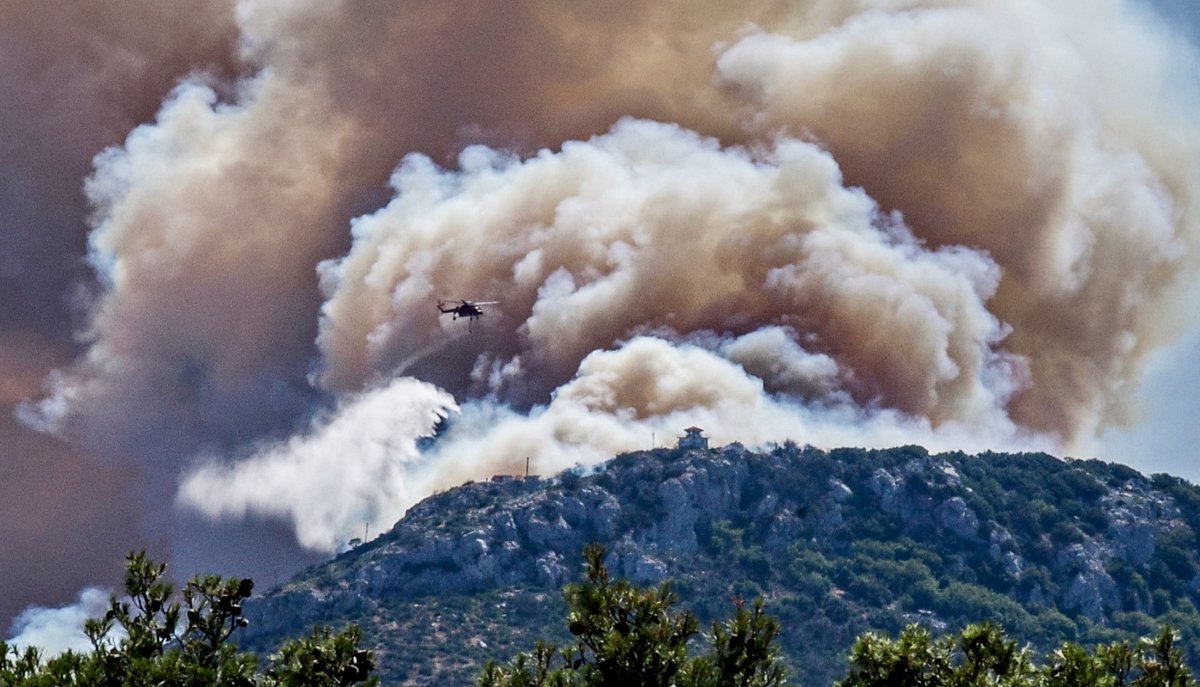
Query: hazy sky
<point x="1166" y="433"/>
<point x="963" y="223"/>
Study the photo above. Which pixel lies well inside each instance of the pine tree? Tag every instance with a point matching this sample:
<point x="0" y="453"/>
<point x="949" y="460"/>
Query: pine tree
<point x="633" y="637"/>
<point x="152" y="637"/>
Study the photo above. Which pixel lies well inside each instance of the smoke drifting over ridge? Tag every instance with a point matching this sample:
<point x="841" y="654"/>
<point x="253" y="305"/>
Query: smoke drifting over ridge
<point x="961" y="223"/>
<point x="1015" y="308"/>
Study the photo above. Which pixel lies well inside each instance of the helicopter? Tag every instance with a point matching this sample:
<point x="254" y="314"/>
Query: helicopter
<point x="472" y="310"/>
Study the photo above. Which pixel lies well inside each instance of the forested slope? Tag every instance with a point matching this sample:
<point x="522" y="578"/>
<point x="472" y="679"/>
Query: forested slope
<point x="838" y="542"/>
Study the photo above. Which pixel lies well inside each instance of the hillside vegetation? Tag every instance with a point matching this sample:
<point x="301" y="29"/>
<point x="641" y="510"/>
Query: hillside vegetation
<point x="837" y="542"/>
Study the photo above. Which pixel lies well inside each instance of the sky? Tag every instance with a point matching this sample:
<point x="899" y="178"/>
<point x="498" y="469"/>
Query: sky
<point x="1164" y="436"/>
<point x="967" y="224"/>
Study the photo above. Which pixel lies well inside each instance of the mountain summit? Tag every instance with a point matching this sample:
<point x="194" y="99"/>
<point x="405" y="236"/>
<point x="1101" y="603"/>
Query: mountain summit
<point x="838" y="542"/>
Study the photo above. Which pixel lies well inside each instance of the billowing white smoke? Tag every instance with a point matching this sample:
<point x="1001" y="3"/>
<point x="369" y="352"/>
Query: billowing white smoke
<point x="651" y="228"/>
<point x="646" y="229"/>
<point x="358" y="471"/>
<point x="57" y="630"/>
<point x="351" y="473"/>
<point x="1052" y="136"/>
<point x="187" y="338"/>
<point x="648" y="388"/>
<point x="956" y="222"/>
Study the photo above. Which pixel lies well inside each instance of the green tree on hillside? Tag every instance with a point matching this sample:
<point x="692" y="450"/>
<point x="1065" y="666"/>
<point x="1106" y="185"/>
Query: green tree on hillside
<point x="982" y="656"/>
<point x="634" y="637"/>
<point x="151" y="638"/>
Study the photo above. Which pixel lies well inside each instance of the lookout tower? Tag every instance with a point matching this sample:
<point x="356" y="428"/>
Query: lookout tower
<point x="693" y="437"/>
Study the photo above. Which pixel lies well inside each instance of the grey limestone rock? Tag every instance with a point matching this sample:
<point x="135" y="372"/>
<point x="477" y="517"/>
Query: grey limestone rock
<point x="1090" y="590"/>
<point x="677" y="529"/>
<point x="884" y="485"/>
<point x="551" y="570"/>
<point x="839" y="492"/>
<point x="1132" y="524"/>
<point x="651" y="509"/>
<point x="957" y="518"/>
<point x="545" y="533"/>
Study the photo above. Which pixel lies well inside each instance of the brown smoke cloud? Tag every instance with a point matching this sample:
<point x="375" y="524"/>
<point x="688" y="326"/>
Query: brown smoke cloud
<point x="74" y="78"/>
<point x="1014" y="128"/>
<point x="209" y="222"/>
<point x="942" y="223"/>
<point x="1009" y="130"/>
<point x="960" y="222"/>
<point x="652" y="227"/>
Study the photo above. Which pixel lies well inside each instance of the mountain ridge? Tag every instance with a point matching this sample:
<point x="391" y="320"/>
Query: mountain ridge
<point x="837" y="541"/>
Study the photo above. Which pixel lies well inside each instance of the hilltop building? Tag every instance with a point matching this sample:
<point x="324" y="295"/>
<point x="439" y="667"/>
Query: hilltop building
<point x="693" y="437"/>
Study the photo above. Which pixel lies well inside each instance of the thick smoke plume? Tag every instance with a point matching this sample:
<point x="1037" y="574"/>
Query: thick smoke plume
<point x="1026" y="136"/>
<point x="963" y="223"/>
<point x="652" y="228"/>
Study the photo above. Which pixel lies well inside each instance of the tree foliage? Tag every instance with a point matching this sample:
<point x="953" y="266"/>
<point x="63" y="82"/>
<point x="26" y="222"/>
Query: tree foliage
<point x="630" y="636"/>
<point x="634" y="637"/>
<point x="982" y="656"/>
<point x="151" y="637"/>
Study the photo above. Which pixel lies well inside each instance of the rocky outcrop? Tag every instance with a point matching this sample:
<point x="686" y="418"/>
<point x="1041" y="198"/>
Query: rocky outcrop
<point x="657" y="511"/>
<point x="955" y="517"/>
<point x="1133" y="522"/>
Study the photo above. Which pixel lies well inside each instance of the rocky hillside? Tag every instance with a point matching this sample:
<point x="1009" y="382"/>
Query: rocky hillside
<point x="838" y="542"/>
